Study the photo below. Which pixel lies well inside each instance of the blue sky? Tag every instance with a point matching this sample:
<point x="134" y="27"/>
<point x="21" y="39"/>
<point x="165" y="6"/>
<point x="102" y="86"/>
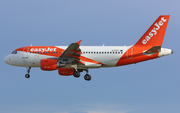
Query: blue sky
<point x="151" y="86"/>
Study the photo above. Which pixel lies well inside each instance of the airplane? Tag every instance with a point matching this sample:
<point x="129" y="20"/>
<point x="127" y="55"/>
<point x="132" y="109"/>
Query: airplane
<point x="73" y="59"/>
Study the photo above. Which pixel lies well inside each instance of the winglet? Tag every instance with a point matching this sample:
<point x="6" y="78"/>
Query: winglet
<point x="79" y="42"/>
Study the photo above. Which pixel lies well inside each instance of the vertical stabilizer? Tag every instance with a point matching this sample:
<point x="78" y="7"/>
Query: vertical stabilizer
<point x="149" y="45"/>
<point x="155" y="34"/>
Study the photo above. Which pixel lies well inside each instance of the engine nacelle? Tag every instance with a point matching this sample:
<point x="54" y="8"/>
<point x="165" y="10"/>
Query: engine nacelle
<point x="51" y="64"/>
<point x="66" y="71"/>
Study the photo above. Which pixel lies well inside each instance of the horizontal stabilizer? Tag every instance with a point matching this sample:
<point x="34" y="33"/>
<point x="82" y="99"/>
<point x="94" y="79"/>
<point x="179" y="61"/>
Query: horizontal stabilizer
<point x="153" y="50"/>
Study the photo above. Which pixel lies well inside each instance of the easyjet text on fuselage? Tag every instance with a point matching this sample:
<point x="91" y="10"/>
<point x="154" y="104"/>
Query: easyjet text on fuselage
<point x="43" y="49"/>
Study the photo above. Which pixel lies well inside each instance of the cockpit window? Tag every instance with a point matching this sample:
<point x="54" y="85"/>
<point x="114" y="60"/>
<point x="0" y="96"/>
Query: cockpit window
<point x="14" y="52"/>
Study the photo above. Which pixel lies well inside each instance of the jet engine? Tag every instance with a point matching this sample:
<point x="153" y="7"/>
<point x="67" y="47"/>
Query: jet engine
<point x="66" y="71"/>
<point x="51" y="64"/>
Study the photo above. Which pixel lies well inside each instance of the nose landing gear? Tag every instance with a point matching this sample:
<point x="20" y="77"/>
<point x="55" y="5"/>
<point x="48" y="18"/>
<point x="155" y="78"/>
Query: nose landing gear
<point x="28" y="70"/>
<point x="27" y="75"/>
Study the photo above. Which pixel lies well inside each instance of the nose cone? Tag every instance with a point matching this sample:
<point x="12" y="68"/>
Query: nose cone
<point x="13" y="60"/>
<point x="6" y="60"/>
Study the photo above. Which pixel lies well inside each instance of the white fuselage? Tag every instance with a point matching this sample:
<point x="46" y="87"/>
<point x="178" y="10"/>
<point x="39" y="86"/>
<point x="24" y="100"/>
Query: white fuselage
<point x="107" y="55"/>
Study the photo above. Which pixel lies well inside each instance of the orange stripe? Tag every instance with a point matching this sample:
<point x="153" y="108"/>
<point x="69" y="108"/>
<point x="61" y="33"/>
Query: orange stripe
<point x="79" y="61"/>
<point x="137" y="56"/>
<point x="85" y="59"/>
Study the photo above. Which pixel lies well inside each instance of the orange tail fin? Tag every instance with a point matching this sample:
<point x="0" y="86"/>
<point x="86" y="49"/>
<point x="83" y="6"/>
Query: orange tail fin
<point x="155" y="34"/>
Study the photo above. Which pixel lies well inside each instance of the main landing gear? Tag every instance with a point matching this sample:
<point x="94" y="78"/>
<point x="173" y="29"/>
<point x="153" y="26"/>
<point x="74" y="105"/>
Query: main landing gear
<point x="77" y="74"/>
<point x="28" y="70"/>
<point x="87" y="76"/>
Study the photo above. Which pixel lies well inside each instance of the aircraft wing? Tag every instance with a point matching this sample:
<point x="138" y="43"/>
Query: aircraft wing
<point x="72" y="53"/>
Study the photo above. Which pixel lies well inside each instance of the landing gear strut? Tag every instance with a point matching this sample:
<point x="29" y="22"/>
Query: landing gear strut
<point x="87" y="76"/>
<point x="28" y="70"/>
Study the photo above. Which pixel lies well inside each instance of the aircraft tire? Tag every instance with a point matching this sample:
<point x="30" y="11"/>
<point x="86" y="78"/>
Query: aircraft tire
<point x="76" y="74"/>
<point x="87" y="77"/>
<point x="27" y="75"/>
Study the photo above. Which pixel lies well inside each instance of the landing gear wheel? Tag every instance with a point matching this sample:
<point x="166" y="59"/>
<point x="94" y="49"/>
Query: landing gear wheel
<point x="28" y="70"/>
<point x="76" y="74"/>
<point x="27" y="75"/>
<point x="87" y="77"/>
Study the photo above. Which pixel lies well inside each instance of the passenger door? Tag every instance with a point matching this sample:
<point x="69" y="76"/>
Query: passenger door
<point x="25" y="53"/>
<point x="129" y="53"/>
